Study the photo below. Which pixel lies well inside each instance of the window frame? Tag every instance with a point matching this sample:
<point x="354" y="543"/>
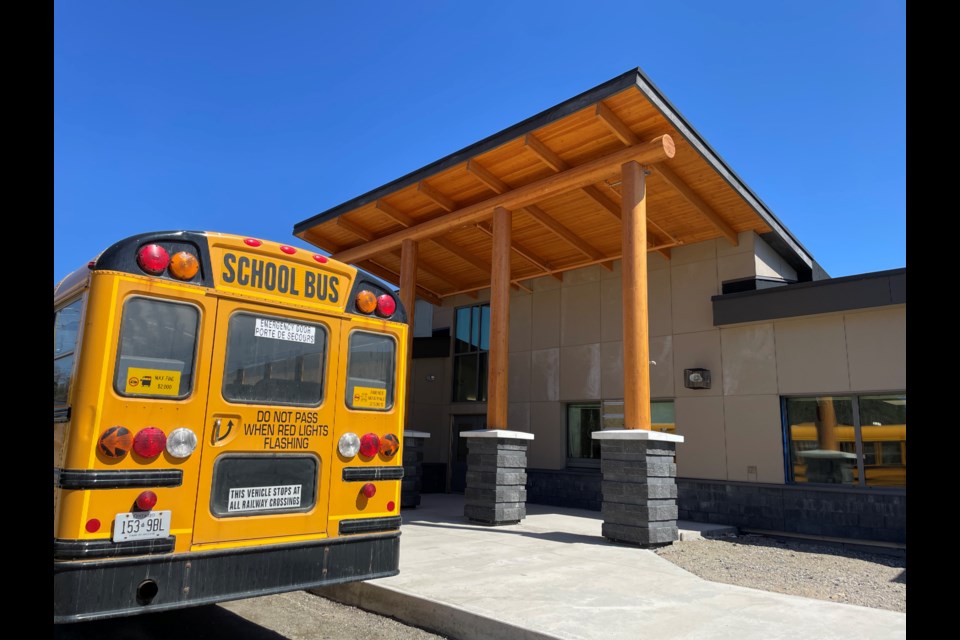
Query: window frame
<point x="859" y="449"/>
<point x="476" y="352"/>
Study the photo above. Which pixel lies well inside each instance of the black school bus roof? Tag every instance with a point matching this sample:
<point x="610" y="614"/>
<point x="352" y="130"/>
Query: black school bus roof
<point x="244" y="267"/>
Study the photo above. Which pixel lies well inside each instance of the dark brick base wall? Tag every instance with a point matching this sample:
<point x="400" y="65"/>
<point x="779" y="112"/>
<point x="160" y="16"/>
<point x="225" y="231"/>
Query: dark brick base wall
<point x="878" y="515"/>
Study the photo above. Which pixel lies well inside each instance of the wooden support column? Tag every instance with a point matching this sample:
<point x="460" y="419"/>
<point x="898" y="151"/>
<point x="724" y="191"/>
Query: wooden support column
<point x="408" y="297"/>
<point x="636" y="347"/>
<point x="499" y="356"/>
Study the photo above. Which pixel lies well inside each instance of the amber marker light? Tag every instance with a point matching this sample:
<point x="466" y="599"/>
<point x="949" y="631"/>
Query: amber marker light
<point x="366" y="301"/>
<point x="389" y="445"/>
<point x="184" y="265"/>
<point x="115" y="442"/>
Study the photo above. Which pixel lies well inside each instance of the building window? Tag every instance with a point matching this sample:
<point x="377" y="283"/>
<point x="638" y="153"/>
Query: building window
<point x="471" y="343"/>
<point x="858" y="441"/>
<point x="583" y="418"/>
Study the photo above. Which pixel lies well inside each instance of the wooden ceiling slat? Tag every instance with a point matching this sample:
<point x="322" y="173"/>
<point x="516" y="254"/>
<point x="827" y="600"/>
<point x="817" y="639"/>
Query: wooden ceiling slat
<point x="677" y="183"/>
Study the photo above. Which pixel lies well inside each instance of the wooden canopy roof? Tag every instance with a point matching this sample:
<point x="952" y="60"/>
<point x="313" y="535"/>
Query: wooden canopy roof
<point x="558" y="172"/>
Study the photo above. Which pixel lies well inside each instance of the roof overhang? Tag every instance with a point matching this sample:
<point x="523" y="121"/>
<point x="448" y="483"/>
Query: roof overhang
<point x="558" y="172"/>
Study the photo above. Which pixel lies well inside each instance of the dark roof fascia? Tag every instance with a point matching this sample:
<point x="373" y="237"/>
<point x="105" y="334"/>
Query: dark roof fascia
<point x="784" y="242"/>
<point x="862" y="291"/>
<point x="585" y="99"/>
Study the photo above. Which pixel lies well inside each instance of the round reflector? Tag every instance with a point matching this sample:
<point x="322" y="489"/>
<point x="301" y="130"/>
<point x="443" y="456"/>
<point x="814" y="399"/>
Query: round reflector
<point x="149" y="442"/>
<point x="366" y="301"/>
<point x="252" y="242"/>
<point x="184" y="265"/>
<point x="115" y="442"/>
<point x="368" y="490"/>
<point x="181" y="442"/>
<point x="93" y="525"/>
<point x="369" y="445"/>
<point x="153" y="259"/>
<point x="391" y="505"/>
<point x="389" y="445"/>
<point x="386" y="305"/>
<point x="349" y="445"/>
<point x="146" y="500"/>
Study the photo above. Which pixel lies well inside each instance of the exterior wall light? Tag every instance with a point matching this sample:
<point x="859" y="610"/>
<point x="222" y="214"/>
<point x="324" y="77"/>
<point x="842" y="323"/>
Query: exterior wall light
<point x="696" y="378"/>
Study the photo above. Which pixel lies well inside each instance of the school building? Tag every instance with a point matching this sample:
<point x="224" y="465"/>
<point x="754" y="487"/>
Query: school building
<point x="599" y="269"/>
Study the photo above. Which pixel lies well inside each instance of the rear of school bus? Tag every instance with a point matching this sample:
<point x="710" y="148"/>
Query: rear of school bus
<point x="227" y="424"/>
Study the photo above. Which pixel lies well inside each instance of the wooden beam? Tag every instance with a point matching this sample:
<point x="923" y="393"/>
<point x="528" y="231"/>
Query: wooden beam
<point x="317" y="240"/>
<point x="408" y="297"/>
<point x="552" y="160"/>
<point x="355" y="229"/>
<point x="616" y="125"/>
<point x="395" y="213"/>
<point x="436" y="196"/>
<point x="463" y="254"/>
<point x="496" y="184"/>
<point x="636" y="334"/>
<point x="565" y="234"/>
<point x="392" y="276"/>
<point x="657" y="150"/>
<point x="699" y="204"/>
<point x="600" y="198"/>
<point x="521" y="251"/>
<point x="499" y="353"/>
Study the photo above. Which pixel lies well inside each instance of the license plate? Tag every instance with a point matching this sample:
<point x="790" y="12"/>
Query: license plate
<point x="144" y="525"/>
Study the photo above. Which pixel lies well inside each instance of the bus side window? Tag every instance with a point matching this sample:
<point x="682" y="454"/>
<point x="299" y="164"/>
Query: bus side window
<point x="66" y="328"/>
<point x="158" y="346"/>
<point x="371" y="368"/>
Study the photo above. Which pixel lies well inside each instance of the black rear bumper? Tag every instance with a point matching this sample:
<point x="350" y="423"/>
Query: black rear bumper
<point x="93" y="589"/>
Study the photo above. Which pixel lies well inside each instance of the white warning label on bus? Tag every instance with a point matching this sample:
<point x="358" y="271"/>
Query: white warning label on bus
<point x="285" y="331"/>
<point x="264" y="498"/>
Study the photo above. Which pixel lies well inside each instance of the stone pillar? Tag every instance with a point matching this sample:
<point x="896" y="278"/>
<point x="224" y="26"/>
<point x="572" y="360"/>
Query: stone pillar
<point x="639" y="486"/>
<point x="496" y="491"/>
<point x="412" y="482"/>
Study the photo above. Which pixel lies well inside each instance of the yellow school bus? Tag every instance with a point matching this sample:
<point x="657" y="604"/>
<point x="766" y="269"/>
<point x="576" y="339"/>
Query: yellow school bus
<point x="227" y="419"/>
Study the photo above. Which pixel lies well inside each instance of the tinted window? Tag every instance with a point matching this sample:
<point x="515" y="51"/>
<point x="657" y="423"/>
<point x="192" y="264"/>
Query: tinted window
<point x="370" y="371"/>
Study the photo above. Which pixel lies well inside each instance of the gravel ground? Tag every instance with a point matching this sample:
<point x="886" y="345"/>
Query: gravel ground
<point x="797" y="568"/>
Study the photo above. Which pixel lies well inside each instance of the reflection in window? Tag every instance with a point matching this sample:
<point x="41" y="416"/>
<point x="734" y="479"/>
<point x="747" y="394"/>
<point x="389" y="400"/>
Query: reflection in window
<point x="274" y="361"/>
<point x="859" y="441"/>
<point x="470" y="358"/>
<point x="158" y="345"/>
<point x="66" y="328"/>
<point x="371" y="367"/>
<point x="584" y="418"/>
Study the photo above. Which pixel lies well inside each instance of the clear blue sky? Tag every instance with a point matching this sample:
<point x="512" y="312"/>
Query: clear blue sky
<point x="248" y="117"/>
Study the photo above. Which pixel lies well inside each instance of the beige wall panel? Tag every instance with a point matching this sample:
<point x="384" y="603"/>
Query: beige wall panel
<point x="615" y="270"/>
<point x="662" y="383"/>
<point x="579" y="317"/>
<point x="611" y="310"/>
<point x="770" y="263"/>
<point x="811" y="355"/>
<point x="434" y="420"/>
<point x="582" y="276"/>
<point x="735" y="267"/>
<point x="580" y="372"/>
<point x="543" y="283"/>
<point x="702" y="454"/>
<point x="698" y="350"/>
<point x="545" y="375"/>
<point x="518" y="377"/>
<point x="424" y="390"/>
<point x="549" y="447"/>
<point x="659" y="303"/>
<point x="877" y="349"/>
<point x="518" y="416"/>
<point x="443" y="317"/>
<point x="749" y="359"/>
<point x="745" y="240"/>
<point x="691" y="287"/>
<point x="696" y="252"/>
<point x="545" y="314"/>
<point x="656" y="260"/>
<point x="611" y="370"/>
<point x="521" y="321"/>
<point x="754" y="438"/>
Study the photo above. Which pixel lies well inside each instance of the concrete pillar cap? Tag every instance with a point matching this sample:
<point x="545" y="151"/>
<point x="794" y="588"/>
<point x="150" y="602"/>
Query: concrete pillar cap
<point x="636" y="434"/>
<point x="497" y="433"/>
<point x="415" y="434"/>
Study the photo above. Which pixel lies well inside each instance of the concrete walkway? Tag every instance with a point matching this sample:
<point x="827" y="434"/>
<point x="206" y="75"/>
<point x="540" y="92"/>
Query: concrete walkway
<point x="554" y="576"/>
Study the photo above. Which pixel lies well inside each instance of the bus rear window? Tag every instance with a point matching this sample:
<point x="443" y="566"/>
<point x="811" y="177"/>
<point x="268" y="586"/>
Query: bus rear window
<point x="274" y="361"/>
<point x="371" y="365"/>
<point x="158" y="346"/>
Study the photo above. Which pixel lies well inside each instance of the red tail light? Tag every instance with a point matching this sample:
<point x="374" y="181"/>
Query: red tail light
<point x="149" y="442"/>
<point x="146" y="500"/>
<point x="369" y="490"/>
<point x="369" y="445"/>
<point x="153" y="259"/>
<point x="386" y="305"/>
